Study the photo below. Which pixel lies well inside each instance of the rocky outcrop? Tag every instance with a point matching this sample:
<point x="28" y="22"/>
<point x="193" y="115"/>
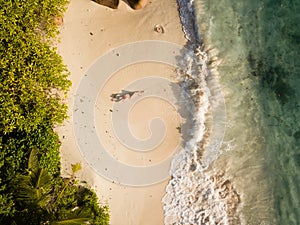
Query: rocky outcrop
<point x="109" y="3"/>
<point x="135" y="4"/>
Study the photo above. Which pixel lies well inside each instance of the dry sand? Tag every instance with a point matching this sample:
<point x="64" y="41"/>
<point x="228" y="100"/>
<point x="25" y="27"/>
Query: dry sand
<point x="88" y="31"/>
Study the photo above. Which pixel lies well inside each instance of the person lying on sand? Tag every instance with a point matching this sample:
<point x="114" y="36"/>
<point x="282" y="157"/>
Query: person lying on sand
<point x="124" y="95"/>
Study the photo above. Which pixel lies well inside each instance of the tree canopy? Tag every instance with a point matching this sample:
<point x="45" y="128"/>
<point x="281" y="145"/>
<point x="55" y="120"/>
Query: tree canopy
<point x="33" y="86"/>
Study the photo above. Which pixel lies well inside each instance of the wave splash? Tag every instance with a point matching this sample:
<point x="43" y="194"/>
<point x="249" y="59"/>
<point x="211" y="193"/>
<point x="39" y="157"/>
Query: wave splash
<point x="197" y="194"/>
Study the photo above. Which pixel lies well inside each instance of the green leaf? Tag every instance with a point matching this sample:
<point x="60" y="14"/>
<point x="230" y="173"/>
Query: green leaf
<point x="33" y="162"/>
<point x="77" y="221"/>
<point x="76" y="167"/>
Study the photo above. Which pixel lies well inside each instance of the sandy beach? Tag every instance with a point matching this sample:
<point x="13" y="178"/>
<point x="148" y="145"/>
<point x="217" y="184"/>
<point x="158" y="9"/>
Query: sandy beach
<point x="90" y="30"/>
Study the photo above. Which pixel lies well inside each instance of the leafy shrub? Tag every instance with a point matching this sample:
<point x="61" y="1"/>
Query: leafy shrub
<point x="33" y="85"/>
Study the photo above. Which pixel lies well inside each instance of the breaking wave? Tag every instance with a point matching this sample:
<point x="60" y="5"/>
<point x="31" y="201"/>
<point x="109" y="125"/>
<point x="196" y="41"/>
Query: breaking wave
<point x="197" y="194"/>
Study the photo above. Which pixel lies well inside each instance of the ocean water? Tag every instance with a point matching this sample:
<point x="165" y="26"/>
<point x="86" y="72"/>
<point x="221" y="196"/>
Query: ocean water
<point x="252" y="50"/>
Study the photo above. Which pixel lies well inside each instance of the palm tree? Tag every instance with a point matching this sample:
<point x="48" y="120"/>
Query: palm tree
<point x="35" y="187"/>
<point x="36" y="197"/>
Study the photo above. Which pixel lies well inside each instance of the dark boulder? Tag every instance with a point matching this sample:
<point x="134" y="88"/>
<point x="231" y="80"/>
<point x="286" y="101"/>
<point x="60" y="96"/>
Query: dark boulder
<point x="135" y="4"/>
<point x="109" y="3"/>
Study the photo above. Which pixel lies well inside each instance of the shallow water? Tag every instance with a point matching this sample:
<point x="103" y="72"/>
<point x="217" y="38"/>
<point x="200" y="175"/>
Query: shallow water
<point x="258" y="164"/>
<point x="259" y="42"/>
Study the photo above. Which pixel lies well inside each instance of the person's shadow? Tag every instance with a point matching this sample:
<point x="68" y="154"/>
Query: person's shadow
<point x="134" y="4"/>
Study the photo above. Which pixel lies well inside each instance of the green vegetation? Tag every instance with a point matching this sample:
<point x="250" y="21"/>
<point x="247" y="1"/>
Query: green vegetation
<point x="33" y="85"/>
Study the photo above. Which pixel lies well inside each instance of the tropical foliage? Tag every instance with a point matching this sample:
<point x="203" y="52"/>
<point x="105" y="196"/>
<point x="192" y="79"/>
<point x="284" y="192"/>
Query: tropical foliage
<point x="33" y="85"/>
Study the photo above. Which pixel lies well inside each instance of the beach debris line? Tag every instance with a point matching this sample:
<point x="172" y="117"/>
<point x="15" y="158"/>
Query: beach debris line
<point x="124" y="95"/>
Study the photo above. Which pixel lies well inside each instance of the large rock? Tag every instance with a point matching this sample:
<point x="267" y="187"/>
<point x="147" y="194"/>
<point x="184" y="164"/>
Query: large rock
<point x="135" y="4"/>
<point x="109" y="3"/>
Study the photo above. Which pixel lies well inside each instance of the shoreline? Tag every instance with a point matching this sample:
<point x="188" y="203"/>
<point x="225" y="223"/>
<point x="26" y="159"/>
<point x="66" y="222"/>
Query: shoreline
<point x="89" y="31"/>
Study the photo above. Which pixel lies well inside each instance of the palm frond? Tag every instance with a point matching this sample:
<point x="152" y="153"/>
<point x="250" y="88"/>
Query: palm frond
<point x="34" y="187"/>
<point x="76" y="221"/>
<point x="33" y="162"/>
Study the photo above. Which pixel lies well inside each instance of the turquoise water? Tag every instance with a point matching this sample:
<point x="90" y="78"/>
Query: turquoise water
<point x="259" y="45"/>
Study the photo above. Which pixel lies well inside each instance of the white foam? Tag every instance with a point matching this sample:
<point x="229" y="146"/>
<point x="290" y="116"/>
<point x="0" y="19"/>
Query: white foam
<point x="190" y="196"/>
<point x="196" y="195"/>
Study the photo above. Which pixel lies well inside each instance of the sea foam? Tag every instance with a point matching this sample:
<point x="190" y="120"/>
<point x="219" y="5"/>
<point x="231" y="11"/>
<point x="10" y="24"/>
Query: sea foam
<point x="197" y="194"/>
